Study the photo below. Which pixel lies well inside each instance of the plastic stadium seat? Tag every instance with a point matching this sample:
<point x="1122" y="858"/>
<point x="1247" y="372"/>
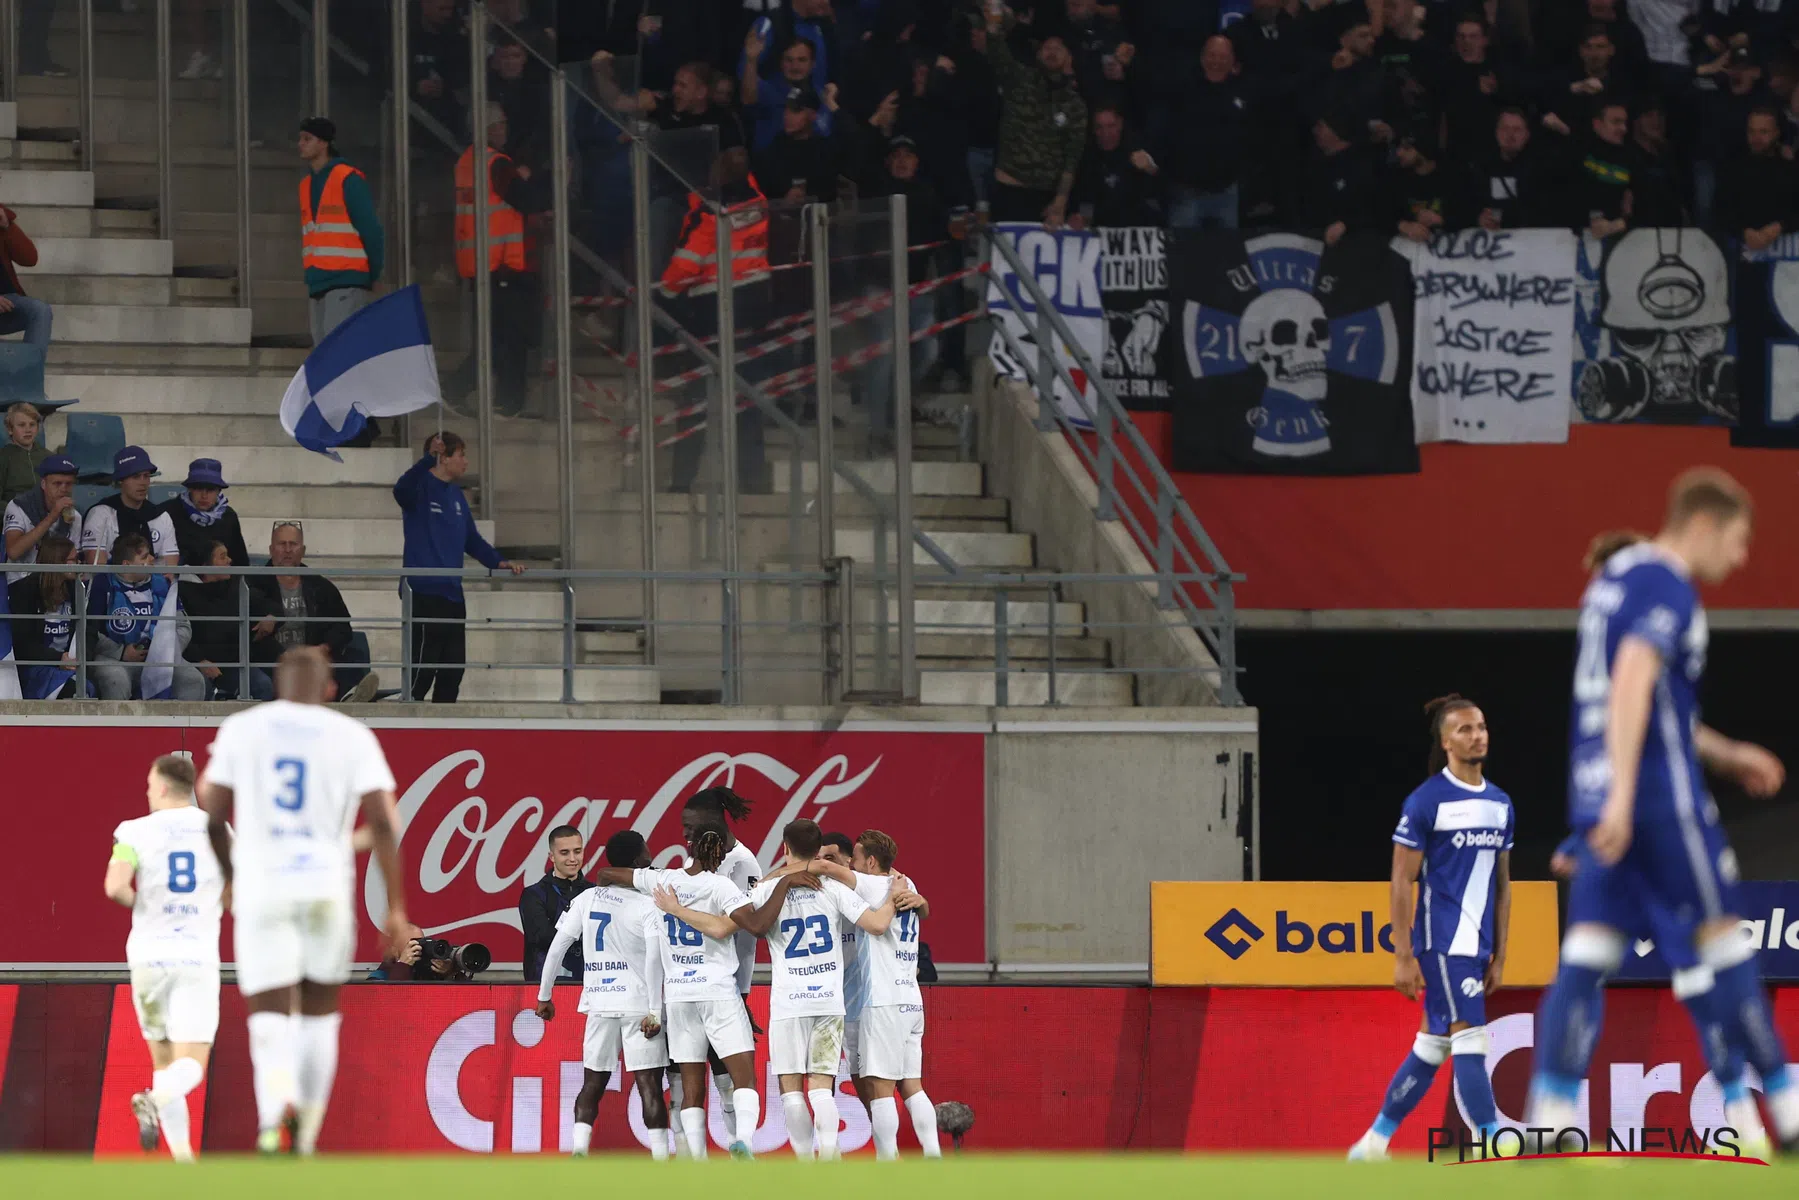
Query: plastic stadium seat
<point x="21" y="372"/>
<point x="93" y="439"/>
<point x="87" y="494"/>
<point x="162" y="493"/>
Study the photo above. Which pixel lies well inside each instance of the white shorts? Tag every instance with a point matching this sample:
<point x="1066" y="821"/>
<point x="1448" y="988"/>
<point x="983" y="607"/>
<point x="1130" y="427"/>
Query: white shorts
<point x="279" y="944"/>
<point x="693" y="1025"/>
<point x="891" y="1043"/>
<point x="176" y="1004"/>
<point x="805" y="1045"/>
<point x="605" y="1036"/>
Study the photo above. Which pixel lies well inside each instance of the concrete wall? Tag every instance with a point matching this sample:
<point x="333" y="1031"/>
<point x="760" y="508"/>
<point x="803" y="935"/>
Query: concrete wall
<point x="1082" y="815"/>
<point x="1054" y="498"/>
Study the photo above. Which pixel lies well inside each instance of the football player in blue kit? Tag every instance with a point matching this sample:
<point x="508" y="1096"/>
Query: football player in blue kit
<point x="1453" y="847"/>
<point x="1650" y="854"/>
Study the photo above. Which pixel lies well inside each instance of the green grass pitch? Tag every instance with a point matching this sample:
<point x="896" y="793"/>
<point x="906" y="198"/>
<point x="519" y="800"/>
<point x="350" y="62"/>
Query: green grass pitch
<point x="971" y="1176"/>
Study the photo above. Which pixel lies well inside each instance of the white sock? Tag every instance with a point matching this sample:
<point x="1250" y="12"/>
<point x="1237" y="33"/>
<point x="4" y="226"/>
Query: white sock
<point x="171" y="1112"/>
<point x="799" y="1123"/>
<point x="693" y="1124"/>
<point x="318" y="1071"/>
<point x="924" y="1123"/>
<point x="176" y="1080"/>
<point x="583" y="1137"/>
<point x="749" y="1114"/>
<point x="726" y="1103"/>
<point x="883" y="1118"/>
<point x="1744" y="1117"/>
<point x="675" y="1135"/>
<point x="1783" y="1106"/>
<point x="274" y="1064"/>
<point x="658" y="1144"/>
<point x="824" y="1120"/>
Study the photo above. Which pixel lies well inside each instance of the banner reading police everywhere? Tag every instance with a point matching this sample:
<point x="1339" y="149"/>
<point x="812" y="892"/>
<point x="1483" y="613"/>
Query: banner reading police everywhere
<point x="1292" y="357"/>
<point x="1065" y="265"/>
<point x="1493" y="333"/>
<point x="1312" y="935"/>
<point x="1771" y="920"/>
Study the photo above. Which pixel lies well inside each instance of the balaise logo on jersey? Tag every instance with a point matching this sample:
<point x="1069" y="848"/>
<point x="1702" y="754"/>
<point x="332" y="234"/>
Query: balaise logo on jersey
<point x="1491" y="839"/>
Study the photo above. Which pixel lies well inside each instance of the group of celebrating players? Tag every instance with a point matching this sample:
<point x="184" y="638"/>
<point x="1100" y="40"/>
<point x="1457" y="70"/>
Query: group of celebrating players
<point x="1647" y="857"/>
<point x="668" y="953"/>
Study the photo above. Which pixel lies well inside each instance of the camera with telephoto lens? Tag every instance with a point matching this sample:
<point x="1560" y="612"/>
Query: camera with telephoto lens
<point x="465" y="961"/>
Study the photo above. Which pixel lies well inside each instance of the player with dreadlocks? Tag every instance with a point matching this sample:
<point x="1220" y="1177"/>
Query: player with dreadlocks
<point x="711" y="807"/>
<point x="702" y="911"/>
<point x="1454" y="843"/>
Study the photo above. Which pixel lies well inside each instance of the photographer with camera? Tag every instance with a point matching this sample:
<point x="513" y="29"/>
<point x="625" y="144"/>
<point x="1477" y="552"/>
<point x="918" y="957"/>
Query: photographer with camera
<point x="429" y="959"/>
<point x="542" y="903"/>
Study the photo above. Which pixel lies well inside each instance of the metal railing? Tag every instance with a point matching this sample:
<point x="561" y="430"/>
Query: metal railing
<point x="1047" y="652"/>
<point x="1171" y="536"/>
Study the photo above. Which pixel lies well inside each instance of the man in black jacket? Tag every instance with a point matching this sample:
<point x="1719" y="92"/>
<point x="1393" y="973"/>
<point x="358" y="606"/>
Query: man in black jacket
<point x="542" y="903"/>
<point x="1759" y="196"/>
<point x="1505" y="185"/>
<point x="1342" y="189"/>
<point x="1116" y="185"/>
<point x="311" y="612"/>
<point x="1205" y="144"/>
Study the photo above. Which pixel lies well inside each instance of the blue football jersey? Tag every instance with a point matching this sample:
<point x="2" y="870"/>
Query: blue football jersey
<point x="1641" y="593"/>
<point x="1461" y="830"/>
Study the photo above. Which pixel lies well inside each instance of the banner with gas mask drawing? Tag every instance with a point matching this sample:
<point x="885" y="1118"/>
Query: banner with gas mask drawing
<point x="1653" y="339"/>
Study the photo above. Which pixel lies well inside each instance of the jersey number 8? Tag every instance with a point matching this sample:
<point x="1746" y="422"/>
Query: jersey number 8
<point x="181" y="872"/>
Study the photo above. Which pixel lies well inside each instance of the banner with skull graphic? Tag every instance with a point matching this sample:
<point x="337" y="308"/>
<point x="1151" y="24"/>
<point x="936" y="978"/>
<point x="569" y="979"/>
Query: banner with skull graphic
<point x="1767" y="323"/>
<point x="1133" y="280"/>
<point x="1292" y="357"/>
<point x="1652" y="324"/>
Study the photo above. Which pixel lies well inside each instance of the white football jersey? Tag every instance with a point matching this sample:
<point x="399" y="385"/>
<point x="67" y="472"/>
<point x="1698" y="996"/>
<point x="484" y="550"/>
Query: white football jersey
<point x="620" y="932"/>
<point x="889" y="961"/>
<point x="175" y="919"/>
<point x="695" y="967"/>
<point x="16" y="520"/>
<point x="297" y="773"/>
<point x="742" y="869"/>
<point x="806" y="953"/>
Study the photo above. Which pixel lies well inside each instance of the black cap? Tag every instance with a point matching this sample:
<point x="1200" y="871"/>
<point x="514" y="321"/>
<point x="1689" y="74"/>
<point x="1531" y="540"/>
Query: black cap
<point x="802" y="99"/>
<point x="321" y="128"/>
<point x="901" y="142"/>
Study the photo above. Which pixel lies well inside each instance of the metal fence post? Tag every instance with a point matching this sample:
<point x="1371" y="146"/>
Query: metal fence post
<point x="1108" y="448"/>
<point x="482" y="180"/>
<point x="84" y="63"/>
<point x="902" y="448"/>
<point x="401" y="66"/>
<point x="725" y="429"/>
<point x="9" y="68"/>
<point x="564" y="300"/>
<point x="1002" y="650"/>
<point x="78" y="593"/>
<point x="165" y="166"/>
<point x="846" y="627"/>
<point x="406" y="664"/>
<point x="568" y="641"/>
<point x="240" y="100"/>
<point x="727" y="652"/>
<point x="1051" y="625"/>
<point x="321" y="58"/>
<point x="819" y="217"/>
<point x="1164" y="547"/>
<point x="243" y="637"/>
<point x="1046" y="375"/>
<point x="644" y="271"/>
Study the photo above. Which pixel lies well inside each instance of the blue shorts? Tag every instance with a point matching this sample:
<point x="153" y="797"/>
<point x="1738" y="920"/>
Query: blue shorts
<point x="1455" y="990"/>
<point x="1677" y="874"/>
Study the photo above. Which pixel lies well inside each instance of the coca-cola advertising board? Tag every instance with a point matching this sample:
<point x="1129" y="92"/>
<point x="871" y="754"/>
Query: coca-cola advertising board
<point x="477" y="800"/>
<point x="434" y="1068"/>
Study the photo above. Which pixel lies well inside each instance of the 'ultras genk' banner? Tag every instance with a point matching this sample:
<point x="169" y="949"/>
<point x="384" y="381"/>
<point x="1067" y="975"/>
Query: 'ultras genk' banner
<point x="1292" y="357"/>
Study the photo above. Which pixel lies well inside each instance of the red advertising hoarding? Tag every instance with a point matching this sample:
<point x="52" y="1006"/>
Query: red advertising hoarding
<point x="436" y="1067"/>
<point x="476" y="801"/>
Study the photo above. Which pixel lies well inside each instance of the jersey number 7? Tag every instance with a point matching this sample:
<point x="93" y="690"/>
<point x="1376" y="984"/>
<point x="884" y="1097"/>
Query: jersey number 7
<point x="599" y="933"/>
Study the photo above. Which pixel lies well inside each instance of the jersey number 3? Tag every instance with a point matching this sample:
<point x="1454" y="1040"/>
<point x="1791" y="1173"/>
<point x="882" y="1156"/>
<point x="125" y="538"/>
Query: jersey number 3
<point x="291" y="773"/>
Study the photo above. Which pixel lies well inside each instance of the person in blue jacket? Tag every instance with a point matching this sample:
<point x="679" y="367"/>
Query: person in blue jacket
<point x="440" y="529"/>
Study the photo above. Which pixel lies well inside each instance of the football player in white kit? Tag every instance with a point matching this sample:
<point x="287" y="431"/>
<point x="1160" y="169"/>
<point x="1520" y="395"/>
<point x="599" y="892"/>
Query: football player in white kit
<point x="296" y="773"/>
<point x="620" y="931"/>
<point x="173" y="949"/>
<point x="702" y="910"/>
<point x="805" y="995"/>
<point x="711" y="807"/>
<point x="888" y="1047"/>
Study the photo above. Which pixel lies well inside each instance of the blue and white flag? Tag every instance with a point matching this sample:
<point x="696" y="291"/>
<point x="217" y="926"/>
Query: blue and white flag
<point x="9" y="670"/>
<point x="377" y="363"/>
<point x="165" y="647"/>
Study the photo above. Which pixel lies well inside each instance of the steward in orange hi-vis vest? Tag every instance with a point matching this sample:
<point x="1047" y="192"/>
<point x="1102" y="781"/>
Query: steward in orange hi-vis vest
<point x="694" y="268"/>
<point x="505" y="224"/>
